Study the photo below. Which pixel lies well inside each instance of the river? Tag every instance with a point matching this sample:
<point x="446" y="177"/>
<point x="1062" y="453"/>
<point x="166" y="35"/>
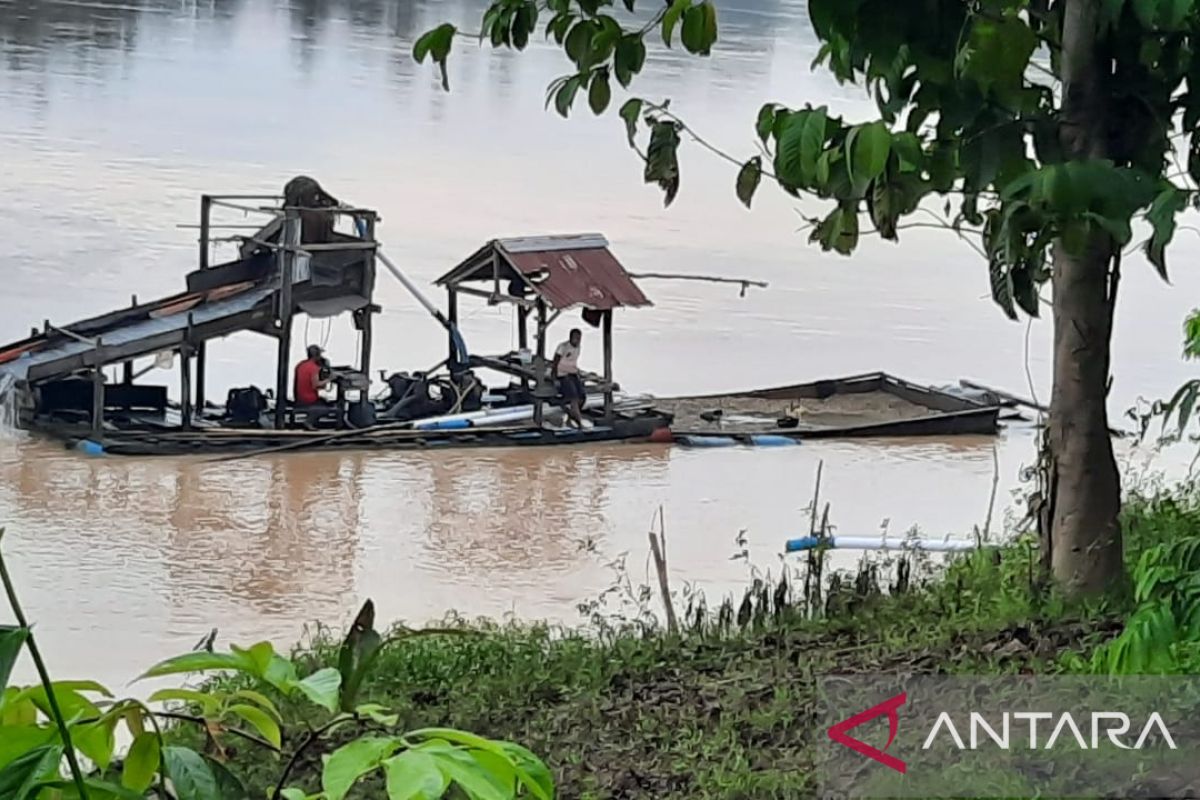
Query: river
<point x="116" y="116"/>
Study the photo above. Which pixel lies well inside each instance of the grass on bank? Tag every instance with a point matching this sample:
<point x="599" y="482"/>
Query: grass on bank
<point x="728" y="708"/>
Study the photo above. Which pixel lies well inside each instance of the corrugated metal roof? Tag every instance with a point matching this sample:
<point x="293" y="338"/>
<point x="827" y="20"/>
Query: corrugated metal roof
<point x="565" y="271"/>
<point x="589" y="277"/>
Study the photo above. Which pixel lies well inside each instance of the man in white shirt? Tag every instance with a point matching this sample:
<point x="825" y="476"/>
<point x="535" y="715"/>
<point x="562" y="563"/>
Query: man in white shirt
<point x="565" y="369"/>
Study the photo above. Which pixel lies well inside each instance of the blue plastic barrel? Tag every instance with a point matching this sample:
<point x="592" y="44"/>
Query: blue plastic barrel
<point x="771" y="440"/>
<point x="707" y="441"/>
<point x="89" y="447"/>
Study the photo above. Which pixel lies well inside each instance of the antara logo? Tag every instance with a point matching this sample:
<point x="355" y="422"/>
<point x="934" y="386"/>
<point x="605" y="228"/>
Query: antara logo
<point x="838" y="732"/>
<point x="1104" y="725"/>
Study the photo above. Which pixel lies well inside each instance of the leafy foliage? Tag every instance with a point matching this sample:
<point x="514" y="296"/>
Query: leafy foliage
<point x="967" y="111"/>
<point x="41" y="724"/>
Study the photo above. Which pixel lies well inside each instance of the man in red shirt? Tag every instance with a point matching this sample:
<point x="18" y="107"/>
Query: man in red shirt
<point x="308" y="384"/>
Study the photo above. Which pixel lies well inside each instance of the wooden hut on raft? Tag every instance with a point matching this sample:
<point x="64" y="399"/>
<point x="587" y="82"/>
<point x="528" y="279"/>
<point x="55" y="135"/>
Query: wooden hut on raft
<point x="545" y="277"/>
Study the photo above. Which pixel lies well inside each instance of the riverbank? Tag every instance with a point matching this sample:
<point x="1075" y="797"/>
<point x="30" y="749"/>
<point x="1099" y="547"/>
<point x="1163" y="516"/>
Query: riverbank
<point x="727" y="709"/>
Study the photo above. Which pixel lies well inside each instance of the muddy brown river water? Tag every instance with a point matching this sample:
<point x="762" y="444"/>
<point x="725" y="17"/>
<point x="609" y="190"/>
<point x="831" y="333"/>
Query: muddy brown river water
<point x="116" y="116"/>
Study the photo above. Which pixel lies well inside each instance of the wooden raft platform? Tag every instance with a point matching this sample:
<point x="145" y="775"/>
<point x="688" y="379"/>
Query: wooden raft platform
<point x="219" y="441"/>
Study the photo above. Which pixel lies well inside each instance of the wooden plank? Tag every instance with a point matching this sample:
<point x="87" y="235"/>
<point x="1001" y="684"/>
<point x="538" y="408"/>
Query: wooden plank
<point x="608" y="364"/>
<point x="1011" y="398"/>
<point x="286" y="256"/>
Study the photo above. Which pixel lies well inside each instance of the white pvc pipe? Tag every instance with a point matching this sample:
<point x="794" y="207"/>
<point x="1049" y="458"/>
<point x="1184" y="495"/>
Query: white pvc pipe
<point x="880" y="543"/>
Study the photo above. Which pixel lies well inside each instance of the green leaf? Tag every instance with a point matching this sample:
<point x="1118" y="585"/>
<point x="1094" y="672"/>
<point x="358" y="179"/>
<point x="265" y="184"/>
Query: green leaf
<point x="1193" y="167"/>
<point x="141" y="762"/>
<point x="799" y="145"/>
<point x="190" y="774"/>
<point x="12" y="638"/>
<point x="579" y="41"/>
<point x="700" y="28"/>
<point x="21" y="777"/>
<point x="565" y="96"/>
<point x="766" y="122"/>
<point x="71" y="703"/>
<point x="1161" y="216"/>
<point x="378" y="713"/>
<point x="322" y="687"/>
<point x="260" y="720"/>
<point x="748" y="178"/>
<point x="436" y="44"/>
<point x="631" y="111"/>
<point x="672" y="17"/>
<point x="540" y="779"/>
<point x="469" y="774"/>
<point x="559" y="26"/>
<point x="838" y="231"/>
<point x="197" y="662"/>
<point x="293" y="794"/>
<point x="257" y="657"/>
<point x="19" y="739"/>
<point x="414" y="775"/>
<point x="1000" y="275"/>
<point x="885" y="204"/>
<point x="867" y="149"/>
<point x="630" y="58"/>
<point x="997" y="53"/>
<point x="662" y="164"/>
<point x="259" y="699"/>
<point x="97" y="789"/>
<point x="600" y="94"/>
<point x="280" y="673"/>
<point x="205" y="701"/>
<point x="97" y="740"/>
<point x="351" y="761"/>
<point x="514" y="756"/>
<point x="228" y="785"/>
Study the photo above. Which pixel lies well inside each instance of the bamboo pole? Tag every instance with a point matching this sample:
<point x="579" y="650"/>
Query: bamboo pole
<point x="658" y="548"/>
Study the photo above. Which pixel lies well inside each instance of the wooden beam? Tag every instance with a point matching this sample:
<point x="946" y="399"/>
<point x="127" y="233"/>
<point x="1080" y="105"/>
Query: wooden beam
<point x="285" y="257"/>
<point x="185" y="391"/>
<point x="608" y="364"/>
<point x="205" y="217"/>
<point x="541" y="359"/>
<point x="495" y="299"/>
<point x="98" y="394"/>
<point x="452" y="312"/>
<point x="201" y="376"/>
<point x="368" y="316"/>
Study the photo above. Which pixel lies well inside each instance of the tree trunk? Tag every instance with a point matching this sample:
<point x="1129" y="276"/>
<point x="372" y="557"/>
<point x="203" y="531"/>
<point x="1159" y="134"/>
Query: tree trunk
<point x="1081" y="532"/>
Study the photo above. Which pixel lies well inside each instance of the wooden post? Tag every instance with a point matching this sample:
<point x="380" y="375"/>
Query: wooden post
<point x="495" y="272"/>
<point x="286" y="258"/>
<point x="608" y="370"/>
<point x="98" y="391"/>
<point x="452" y="311"/>
<point x="127" y="374"/>
<point x="205" y="214"/>
<point x="369" y="285"/>
<point x="523" y="336"/>
<point x="201" y="370"/>
<point x="185" y="391"/>
<point x="541" y="359"/>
